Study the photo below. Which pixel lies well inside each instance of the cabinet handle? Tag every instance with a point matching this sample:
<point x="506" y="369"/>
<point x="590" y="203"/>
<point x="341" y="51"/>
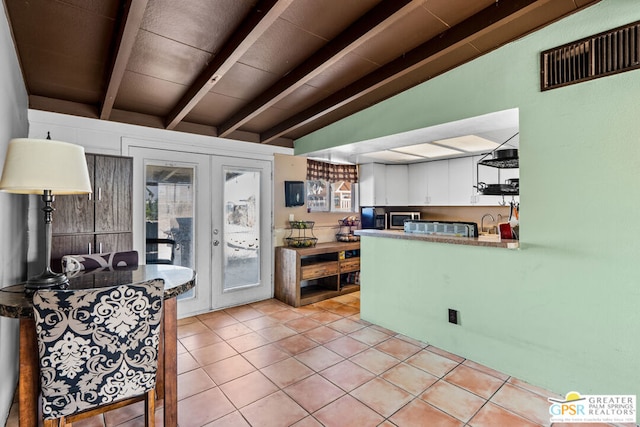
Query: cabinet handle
<point x="90" y="197"/>
<point x="99" y="194"/>
<point x="89" y="249"/>
<point x="100" y="247"/>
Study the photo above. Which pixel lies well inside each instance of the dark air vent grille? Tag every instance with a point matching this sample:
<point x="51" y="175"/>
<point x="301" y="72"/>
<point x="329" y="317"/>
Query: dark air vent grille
<point x="607" y="53"/>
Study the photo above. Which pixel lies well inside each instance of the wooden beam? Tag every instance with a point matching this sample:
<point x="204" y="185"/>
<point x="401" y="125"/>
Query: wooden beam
<point x="372" y="23"/>
<point x="259" y="20"/>
<point x="131" y="20"/>
<point x="471" y="27"/>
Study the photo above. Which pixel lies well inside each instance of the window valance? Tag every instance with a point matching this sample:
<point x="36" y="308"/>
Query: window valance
<point x="330" y="172"/>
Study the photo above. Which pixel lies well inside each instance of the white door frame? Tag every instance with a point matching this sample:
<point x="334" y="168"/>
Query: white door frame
<point x="204" y="274"/>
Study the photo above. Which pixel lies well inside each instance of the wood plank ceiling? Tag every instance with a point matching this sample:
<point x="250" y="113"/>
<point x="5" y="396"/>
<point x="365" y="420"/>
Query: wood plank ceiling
<point x="264" y="71"/>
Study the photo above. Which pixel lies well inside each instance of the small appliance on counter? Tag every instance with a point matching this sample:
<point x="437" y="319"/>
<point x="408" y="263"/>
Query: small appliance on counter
<point x="442" y="228"/>
<point x="397" y="219"/>
<point x="373" y="218"/>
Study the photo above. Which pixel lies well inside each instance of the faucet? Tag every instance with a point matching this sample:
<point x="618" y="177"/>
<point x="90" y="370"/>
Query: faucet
<point x="482" y="220"/>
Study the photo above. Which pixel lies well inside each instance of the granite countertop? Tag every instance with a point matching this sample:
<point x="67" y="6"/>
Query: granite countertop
<point x="452" y="240"/>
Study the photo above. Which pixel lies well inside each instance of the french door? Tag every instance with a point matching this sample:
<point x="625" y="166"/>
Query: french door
<point x="216" y="211"/>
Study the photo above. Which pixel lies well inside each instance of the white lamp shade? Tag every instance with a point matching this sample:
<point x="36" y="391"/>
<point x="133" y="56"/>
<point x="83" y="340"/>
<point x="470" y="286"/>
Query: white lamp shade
<point x="34" y="165"/>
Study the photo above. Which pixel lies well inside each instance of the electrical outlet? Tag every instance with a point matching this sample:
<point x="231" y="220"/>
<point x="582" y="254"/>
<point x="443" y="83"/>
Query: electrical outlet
<point x="453" y="316"/>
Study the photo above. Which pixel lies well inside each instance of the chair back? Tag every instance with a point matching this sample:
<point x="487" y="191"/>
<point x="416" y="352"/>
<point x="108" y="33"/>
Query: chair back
<point x="107" y="260"/>
<point x="97" y="346"/>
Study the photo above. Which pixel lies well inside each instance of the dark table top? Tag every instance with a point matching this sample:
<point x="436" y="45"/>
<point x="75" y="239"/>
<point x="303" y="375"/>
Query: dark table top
<point x="14" y="302"/>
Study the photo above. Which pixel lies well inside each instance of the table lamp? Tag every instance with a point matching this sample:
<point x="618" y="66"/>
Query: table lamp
<point x="49" y="168"/>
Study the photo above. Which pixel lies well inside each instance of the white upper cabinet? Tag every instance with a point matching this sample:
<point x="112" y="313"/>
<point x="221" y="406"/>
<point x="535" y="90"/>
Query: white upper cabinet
<point x="383" y="185"/>
<point x="396" y="185"/>
<point x="371" y="184"/>
<point x="438" y="179"/>
<point x="418" y="184"/>
<point x="461" y="191"/>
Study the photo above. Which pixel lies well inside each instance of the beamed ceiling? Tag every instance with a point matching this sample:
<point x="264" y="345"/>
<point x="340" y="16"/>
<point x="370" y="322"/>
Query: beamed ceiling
<point x="268" y="71"/>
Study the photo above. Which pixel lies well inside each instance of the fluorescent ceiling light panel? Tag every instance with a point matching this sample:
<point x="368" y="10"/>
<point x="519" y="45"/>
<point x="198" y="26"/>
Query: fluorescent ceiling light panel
<point x="428" y="150"/>
<point x="391" y="156"/>
<point x="469" y="143"/>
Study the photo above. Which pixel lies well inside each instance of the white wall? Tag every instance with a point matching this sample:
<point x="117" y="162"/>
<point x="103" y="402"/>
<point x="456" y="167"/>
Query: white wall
<point x="13" y="209"/>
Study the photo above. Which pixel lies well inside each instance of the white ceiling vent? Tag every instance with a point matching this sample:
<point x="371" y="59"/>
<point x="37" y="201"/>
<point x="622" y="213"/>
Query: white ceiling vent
<point x="610" y="52"/>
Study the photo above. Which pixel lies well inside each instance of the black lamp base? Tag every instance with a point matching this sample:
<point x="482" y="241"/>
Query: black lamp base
<point x="47" y="280"/>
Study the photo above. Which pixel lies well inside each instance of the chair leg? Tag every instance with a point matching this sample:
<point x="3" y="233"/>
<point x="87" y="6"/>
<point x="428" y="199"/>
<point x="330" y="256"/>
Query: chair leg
<point x="150" y="408"/>
<point x="52" y="423"/>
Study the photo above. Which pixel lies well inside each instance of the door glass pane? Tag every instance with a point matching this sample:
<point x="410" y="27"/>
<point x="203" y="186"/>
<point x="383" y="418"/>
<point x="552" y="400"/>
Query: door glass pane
<point x="169" y="212"/>
<point x="241" y="243"/>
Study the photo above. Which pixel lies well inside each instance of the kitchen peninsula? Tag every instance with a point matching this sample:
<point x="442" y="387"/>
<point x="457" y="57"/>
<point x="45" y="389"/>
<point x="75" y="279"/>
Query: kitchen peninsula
<point x="435" y="238"/>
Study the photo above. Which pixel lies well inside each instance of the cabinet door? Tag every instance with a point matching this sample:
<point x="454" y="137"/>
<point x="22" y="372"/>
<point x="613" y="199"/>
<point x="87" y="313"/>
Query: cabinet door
<point x="113" y="198"/>
<point x="461" y="191"/>
<point x="396" y="185"/>
<point x="418" y="184"/>
<point x="371" y="184"/>
<point x="69" y="245"/>
<point x="438" y="179"/>
<point x="74" y="213"/>
<point x="113" y="242"/>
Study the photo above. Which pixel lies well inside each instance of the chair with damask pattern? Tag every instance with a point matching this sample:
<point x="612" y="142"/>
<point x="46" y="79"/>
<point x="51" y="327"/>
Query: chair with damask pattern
<point x="107" y="260"/>
<point x="98" y="349"/>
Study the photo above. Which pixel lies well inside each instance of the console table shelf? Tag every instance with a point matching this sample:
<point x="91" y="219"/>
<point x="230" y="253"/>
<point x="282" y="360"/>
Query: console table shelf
<point x="307" y="275"/>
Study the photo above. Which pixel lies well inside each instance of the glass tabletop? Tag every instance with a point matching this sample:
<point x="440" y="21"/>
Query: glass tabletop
<point x="14" y="302"/>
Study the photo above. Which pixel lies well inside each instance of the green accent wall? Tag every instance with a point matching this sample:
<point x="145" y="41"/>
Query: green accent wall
<point x="563" y="312"/>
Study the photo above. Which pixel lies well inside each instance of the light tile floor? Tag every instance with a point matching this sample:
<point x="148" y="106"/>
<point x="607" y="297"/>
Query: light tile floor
<point x="268" y="364"/>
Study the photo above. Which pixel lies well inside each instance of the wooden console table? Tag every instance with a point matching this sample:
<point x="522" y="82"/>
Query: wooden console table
<point x="307" y="275"/>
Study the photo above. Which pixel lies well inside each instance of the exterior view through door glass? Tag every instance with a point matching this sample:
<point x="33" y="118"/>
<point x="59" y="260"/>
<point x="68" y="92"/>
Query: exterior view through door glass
<point x="241" y="229"/>
<point x="241" y="212"/>
<point x="169" y="214"/>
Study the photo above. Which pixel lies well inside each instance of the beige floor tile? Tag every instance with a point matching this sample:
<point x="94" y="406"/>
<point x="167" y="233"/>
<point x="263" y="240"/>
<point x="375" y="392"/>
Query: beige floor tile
<point x="382" y="396"/>
<point x="477" y="382"/>
<point x="446" y="354"/>
<point x="523" y="402"/>
<point x="432" y="363"/>
<point x="265" y="355"/>
<point x="344" y="310"/>
<point x="261" y="323"/>
<point x="375" y="360"/>
<point x="325" y="317"/>
<point x="307" y="422"/>
<point x="193" y="342"/>
<point x="398" y="348"/>
<point x="233" y="331"/>
<point x="192" y="328"/>
<point x="219" y="320"/>
<point x="346" y="326"/>
<point x="212" y="353"/>
<point x="411" y="379"/>
<point x="234" y="419"/>
<point x="247" y="342"/>
<point x="314" y="392"/>
<point x="323" y="335"/>
<point x="347" y="375"/>
<point x="193" y="382"/>
<point x="229" y="369"/>
<point x="302" y="324"/>
<point x="492" y="415"/>
<point x="285" y="315"/>
<point x="276" y="332"/>
<point x="243" y="313"/>
<point x="486" y="370"/>
<point x="275" y="410"/>
<point x="419" y="413"/>
<point x="319" y="358"/>
<point x="369" y="336"/>
<point x="203" y="408"/>
<point x="453" y="400"/>
<point x="346" y="346"/>
<point x="247" y="389"/>
<point x="347" y="411"/>
<point x="186" y="363"/>
<point x="287" y="372"/>
<point x="296" y="344"/>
